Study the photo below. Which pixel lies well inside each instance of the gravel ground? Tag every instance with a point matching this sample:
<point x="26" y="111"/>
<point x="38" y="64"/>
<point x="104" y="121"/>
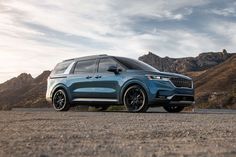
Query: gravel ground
<point x="106" y="134"/>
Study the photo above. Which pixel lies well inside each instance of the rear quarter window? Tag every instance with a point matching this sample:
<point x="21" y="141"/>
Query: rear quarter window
<point x="86" y="66"/>
<point x="61" y="67"/>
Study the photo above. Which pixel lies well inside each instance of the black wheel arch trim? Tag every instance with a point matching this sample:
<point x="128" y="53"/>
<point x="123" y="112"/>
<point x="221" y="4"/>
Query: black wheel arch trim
<point x="130" y="82"/>
<point x="62" y="86"/>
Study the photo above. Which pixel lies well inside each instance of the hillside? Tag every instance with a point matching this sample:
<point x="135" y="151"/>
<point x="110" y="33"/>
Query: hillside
<point x="24" y="91"/>
<point x="216" y="86"/>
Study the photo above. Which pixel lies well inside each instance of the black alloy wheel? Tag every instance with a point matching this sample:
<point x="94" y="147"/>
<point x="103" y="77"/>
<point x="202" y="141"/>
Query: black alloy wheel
<point x="135" y="99"/>
<point x="60" y="102"/>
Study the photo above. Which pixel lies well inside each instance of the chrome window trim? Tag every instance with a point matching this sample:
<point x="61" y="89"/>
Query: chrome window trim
<point x="67" y="72"/>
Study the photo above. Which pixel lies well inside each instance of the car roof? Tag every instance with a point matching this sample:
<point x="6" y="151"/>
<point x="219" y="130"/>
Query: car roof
<point x="87" y="57"/>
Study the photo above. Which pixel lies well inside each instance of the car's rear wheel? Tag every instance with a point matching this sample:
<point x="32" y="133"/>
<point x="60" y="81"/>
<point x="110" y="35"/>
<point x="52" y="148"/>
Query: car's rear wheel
<point x="135" y="99"/>
<point x="173" y="108"/>
<point x="60" y="101"/>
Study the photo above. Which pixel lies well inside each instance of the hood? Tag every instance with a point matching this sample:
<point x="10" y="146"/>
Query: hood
<point x="168" y="74"/>
<point x="163" y="74"/>
<point x="175" y="75"/>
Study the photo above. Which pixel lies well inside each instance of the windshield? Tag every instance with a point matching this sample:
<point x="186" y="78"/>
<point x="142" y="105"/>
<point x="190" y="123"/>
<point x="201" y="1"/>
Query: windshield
<point x="135" y="64"/>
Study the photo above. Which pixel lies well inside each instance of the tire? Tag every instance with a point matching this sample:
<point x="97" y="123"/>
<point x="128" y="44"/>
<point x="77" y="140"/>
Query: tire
<point x="60" y="101"/>
<point x="135" y="99"/>
<point x="173" y="108"/>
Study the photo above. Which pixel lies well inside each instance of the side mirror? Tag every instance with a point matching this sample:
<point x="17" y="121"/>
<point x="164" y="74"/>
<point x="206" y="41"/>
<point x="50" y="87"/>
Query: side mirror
<point x="114" y="69"/>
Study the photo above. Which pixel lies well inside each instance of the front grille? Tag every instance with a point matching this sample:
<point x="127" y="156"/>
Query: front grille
<point x="181" y="82"/>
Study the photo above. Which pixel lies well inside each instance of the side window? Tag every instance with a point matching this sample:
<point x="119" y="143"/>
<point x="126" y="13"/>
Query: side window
<point x="87" y="66"/>
<point x="61" y="67"/>
<point x="105" y="63"/>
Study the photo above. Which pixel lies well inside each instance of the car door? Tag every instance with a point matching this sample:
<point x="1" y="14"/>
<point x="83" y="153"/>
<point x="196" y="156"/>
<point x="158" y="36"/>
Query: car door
<point x="107" y="84"/>
<point x="80" y="80"/>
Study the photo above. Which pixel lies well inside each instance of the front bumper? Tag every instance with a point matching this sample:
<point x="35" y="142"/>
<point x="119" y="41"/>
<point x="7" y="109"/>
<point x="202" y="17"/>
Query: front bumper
<point x="184" y="100"/>
<point x="165" y="93"/>
<point x="176" y="99"/>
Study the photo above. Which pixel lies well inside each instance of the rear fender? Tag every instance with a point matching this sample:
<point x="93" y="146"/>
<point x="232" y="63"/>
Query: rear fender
<point x="62" y="86"/>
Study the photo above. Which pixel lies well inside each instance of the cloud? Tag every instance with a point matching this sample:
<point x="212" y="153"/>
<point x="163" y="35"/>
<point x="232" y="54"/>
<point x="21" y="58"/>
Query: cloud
<point x="224" y="12"/>
<point x="35" y="35"/>
<point x="226" y="33"/>
<point x="178" y="43"/>
<point x="223" y="9"/>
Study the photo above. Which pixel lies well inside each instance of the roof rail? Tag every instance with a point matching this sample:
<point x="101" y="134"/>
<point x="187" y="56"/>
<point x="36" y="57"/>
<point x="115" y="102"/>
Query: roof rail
<point x="69" y="60"/>
<point x="86" y="57"/>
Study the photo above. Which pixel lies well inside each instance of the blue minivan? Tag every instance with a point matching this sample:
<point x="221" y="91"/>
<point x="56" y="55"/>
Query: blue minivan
<point x="104" y="80"/>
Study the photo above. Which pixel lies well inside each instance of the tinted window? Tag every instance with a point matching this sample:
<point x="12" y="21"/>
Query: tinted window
<point x="105" y="63"/>
<point x="61" y="67"/>
<point x="87" y="66"/>
<point x="135" y="64"/>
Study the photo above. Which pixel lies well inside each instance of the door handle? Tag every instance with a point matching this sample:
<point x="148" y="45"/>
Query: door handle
<point x="98" y="76"/>
<point x="88" y="77"/>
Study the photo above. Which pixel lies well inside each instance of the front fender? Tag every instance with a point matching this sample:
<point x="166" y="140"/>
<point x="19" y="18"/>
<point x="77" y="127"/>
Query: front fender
<point x="130" y="82"/>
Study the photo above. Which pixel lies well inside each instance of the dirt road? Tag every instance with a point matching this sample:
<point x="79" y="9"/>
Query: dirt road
<point x="106" y="134"/>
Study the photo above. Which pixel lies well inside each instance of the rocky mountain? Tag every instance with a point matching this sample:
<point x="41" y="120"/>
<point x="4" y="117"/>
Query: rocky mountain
<point x="24" y="91"/>
<point x="187" y="64"/>
<point x="16" y="83"/>
<point x="216" y="87"/>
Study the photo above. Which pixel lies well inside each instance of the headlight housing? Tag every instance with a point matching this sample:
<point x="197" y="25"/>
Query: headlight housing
<point x="157" y="77"/>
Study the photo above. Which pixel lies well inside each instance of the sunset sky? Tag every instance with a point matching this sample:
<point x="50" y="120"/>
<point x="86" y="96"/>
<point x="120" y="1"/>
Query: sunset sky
<point x="36" y="34"/>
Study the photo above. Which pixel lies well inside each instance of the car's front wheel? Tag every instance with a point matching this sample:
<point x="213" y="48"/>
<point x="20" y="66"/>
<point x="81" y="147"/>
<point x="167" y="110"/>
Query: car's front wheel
<point x="60" y="101"/>
<point x="173" y="108"/>
<point x="135" y="99"/>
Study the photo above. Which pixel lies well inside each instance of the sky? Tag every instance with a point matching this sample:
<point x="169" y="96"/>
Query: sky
<point x="37" y="34"/>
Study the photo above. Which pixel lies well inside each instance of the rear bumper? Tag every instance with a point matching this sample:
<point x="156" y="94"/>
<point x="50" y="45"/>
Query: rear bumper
<point x="48" y="96"/>
<point x="49" y="99"/>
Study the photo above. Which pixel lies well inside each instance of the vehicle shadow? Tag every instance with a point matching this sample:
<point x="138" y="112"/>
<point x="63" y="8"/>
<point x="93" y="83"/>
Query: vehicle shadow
<point x="196" y="111"/>
<point x="150" y="111"/>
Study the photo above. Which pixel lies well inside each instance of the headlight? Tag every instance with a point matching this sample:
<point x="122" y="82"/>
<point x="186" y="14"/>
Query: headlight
<point x="156" y="77"/>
